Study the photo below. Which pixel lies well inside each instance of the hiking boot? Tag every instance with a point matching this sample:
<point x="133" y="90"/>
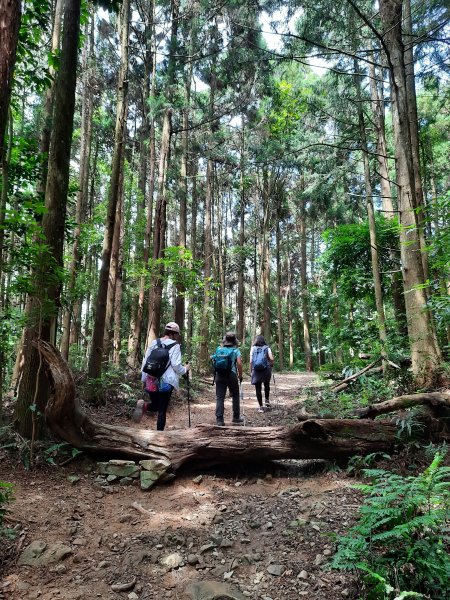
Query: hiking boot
<point x="237" y="420"/>
<point x="261" y="409"/>
<point x="220" y="423"/>
<point x="267" y="406"/>
<point x="138" y="411"/>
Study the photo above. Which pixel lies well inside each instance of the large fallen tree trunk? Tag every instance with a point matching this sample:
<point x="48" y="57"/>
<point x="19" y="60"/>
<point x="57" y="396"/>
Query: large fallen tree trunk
<point x="206" y="445"/>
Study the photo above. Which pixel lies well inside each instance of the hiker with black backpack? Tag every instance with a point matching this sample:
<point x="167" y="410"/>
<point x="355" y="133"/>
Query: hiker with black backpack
<point x="227" y="363"/>
<point x="161" y="371"/>
<point x="261" y="363"/>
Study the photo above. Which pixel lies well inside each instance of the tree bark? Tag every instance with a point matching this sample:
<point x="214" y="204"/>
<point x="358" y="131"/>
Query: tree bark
<point x="425" y="352"/>
<point x="42" y="308"/>
<point x="280" y="328"/>
<point x="304" y="284"/>
<point x="371" y="217"/>
<point x="241" y="291"/>
<point x="10" y="15"/>
<point x="83" y="181"/>
<point x="96" y="354"/>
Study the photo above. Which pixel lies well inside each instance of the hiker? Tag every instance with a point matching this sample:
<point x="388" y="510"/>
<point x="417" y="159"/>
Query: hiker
<point x="261" y="363"/>
<point x="161" y="370"/>
<point x="227" y="364"/>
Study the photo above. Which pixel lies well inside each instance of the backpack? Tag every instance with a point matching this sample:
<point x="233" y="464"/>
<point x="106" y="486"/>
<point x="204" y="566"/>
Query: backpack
<point x="223" y="359"/>
<point x="158" y="360"/>
<point x="259" y="358"/>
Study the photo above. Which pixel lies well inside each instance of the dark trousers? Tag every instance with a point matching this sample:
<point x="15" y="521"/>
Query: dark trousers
<point x="224" y="382"/>
<point x="258" y="389"/>
<point x="159" y="401"/>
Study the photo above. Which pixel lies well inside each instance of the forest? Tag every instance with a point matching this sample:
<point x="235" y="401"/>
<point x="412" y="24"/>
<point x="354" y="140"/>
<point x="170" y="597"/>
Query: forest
<point x="263" y="167"/>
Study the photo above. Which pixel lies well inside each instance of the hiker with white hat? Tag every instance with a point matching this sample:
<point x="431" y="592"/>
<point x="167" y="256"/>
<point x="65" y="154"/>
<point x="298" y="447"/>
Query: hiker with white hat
<point x="161" y="371"/>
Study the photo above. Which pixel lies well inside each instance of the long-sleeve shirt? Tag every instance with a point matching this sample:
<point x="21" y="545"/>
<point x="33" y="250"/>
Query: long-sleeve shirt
<point x="174" y="370"/>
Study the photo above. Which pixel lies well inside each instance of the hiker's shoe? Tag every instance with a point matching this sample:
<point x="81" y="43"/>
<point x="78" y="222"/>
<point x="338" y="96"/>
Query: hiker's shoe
<point x="220" y="423"/>
<point x="267" y="406"/>
<point x="261" y="409"/>
<point x="237" y="420"/>
<point x="138" y="411"/>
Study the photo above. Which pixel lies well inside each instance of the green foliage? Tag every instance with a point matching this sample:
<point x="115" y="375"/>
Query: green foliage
<point x="400" y="543"/>
<point x="6" y="497"/>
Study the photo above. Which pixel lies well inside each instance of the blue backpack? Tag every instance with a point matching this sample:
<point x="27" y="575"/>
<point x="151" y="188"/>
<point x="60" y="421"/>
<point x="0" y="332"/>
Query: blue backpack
<point x="260" y="361"/>
<point x="224" y="359"/>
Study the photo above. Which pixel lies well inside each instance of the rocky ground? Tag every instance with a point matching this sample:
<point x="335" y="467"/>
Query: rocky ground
<point x="263" y="535"/>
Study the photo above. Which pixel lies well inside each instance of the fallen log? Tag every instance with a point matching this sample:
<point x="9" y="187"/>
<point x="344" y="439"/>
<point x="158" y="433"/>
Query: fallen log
<point x="206" y="445"/>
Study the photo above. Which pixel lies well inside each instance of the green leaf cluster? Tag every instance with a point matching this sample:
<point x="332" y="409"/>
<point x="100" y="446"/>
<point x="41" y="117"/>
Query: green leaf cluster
<point x="400" y="542"/>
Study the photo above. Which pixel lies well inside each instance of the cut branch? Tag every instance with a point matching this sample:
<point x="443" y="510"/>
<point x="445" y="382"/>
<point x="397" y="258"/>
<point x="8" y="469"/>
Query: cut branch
<point x="343" y="384"/>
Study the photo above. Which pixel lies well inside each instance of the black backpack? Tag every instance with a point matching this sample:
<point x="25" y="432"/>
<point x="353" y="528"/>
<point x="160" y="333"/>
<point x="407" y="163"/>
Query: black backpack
<point x="158" y="360"/>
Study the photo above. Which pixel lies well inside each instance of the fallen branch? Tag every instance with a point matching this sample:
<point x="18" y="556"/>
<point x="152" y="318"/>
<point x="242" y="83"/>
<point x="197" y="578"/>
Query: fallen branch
<point x="346" y="382"/>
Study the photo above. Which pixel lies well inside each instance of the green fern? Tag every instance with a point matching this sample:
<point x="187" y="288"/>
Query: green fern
<point x="401" y="540"/>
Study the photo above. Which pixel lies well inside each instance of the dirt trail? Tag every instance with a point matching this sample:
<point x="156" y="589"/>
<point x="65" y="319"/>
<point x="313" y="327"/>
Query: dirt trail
<point x="262" y="535"/>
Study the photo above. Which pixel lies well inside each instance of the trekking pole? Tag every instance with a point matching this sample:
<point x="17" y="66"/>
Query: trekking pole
<point x="276" y="391"/>
<point x="188" y="396"/>
<point x="241" y="400"/>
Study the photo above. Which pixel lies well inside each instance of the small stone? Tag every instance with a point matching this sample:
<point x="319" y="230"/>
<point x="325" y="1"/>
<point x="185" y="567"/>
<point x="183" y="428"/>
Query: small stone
<point x="276" y="570"/>
<point x="148" y="479"/>
<point x="207" y="547"/>
<point x="172" y="561"/>
<point x="345" y="593"/>
<point x="103" y="564"/>
<point x="303" y="575"/>
<point x="73" y="479"/>
<point x="192" y="559"/>
<point x="318" y="560"/>
<point x="198" y="479"/>
<point x="112" y="478"/>
<point x="238" y="484"/>
<point x="126" y="481"/>
<point x="133" y="596"/>
<point x="327" y="552"/>
<point x="225" y="543"/>
<point x="79" y="542"/>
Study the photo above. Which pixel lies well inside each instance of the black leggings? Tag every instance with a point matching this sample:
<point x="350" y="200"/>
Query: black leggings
<point x="160" y="401"/>
<point x="258" y="388"/>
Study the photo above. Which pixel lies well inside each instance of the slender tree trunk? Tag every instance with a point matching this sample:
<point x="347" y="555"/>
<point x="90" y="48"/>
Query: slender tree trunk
<point x="83" y="191"/>
<point x="266" y="327"/>
<point x="337" y="320"/>
<point x="380" y="130"/>
<point x="371" y="218"/>
<point x="207" y="268"/>
<point x="304" y="284"/>
<point x="280" y="328"/>
<point x="414" y="132"/>
<point x="96" y="354"/>
<point x="42" y="309"/>
<point x="10" y="14"/>
<point x="154" y="321"/>
<point x="424" y="348"/>
<point x="289" y="310"/>
<point x="193" y="246"/>
<point x="118" y="280"/>
<point x="241" y="291"/>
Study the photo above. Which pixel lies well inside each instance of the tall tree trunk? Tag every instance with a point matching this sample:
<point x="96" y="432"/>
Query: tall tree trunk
<point x="204" y="338"/>
<point x="118" y="280"/>
<point x="193" y="247"/>
<point x="96" y="354"/>
<point x="289" y="309"/>
<point x="134" y="342"/>
<point x="424" y="348"/>
<point x="380" y="131"/>
<point x="10" y="13"/>
<point x="371" y="217"/>
<point x="304" y="284"/>
<point x="266" y="327"/>
<point x="280" y="329"/>
<point x="241" y="291"/>
<point x="42" y="309"/>
<point x="414" y="132"/>
<point x="159" y="231"/>
<point x="83" y="191"/>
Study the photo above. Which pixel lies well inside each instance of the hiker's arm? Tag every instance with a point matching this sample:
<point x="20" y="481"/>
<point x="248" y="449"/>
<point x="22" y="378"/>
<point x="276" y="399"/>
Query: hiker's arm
<point x="239" y="366"/>
<point x="251" y="356"/>
<point x="175" y="361"/>
<point x="144" y="360"/>
<point x="270" y="357"/>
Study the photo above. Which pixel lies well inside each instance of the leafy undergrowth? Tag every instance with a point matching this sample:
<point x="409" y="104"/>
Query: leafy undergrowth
<point x="400" y="544"/>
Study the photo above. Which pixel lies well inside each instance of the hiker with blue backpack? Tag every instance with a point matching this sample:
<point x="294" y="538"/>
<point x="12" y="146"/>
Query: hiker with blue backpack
<point x="261" y="363"/>
<point x="227" y="363"/>
<point x="161" y="371"/>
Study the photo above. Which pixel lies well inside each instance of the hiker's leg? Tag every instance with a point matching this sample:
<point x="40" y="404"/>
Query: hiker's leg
<point x="233" y="386"/>
<point x="258" y="390"/>
<point x="266" y="391"/>
<point x="221" y="389"/>
<point x="163" y="403"/>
